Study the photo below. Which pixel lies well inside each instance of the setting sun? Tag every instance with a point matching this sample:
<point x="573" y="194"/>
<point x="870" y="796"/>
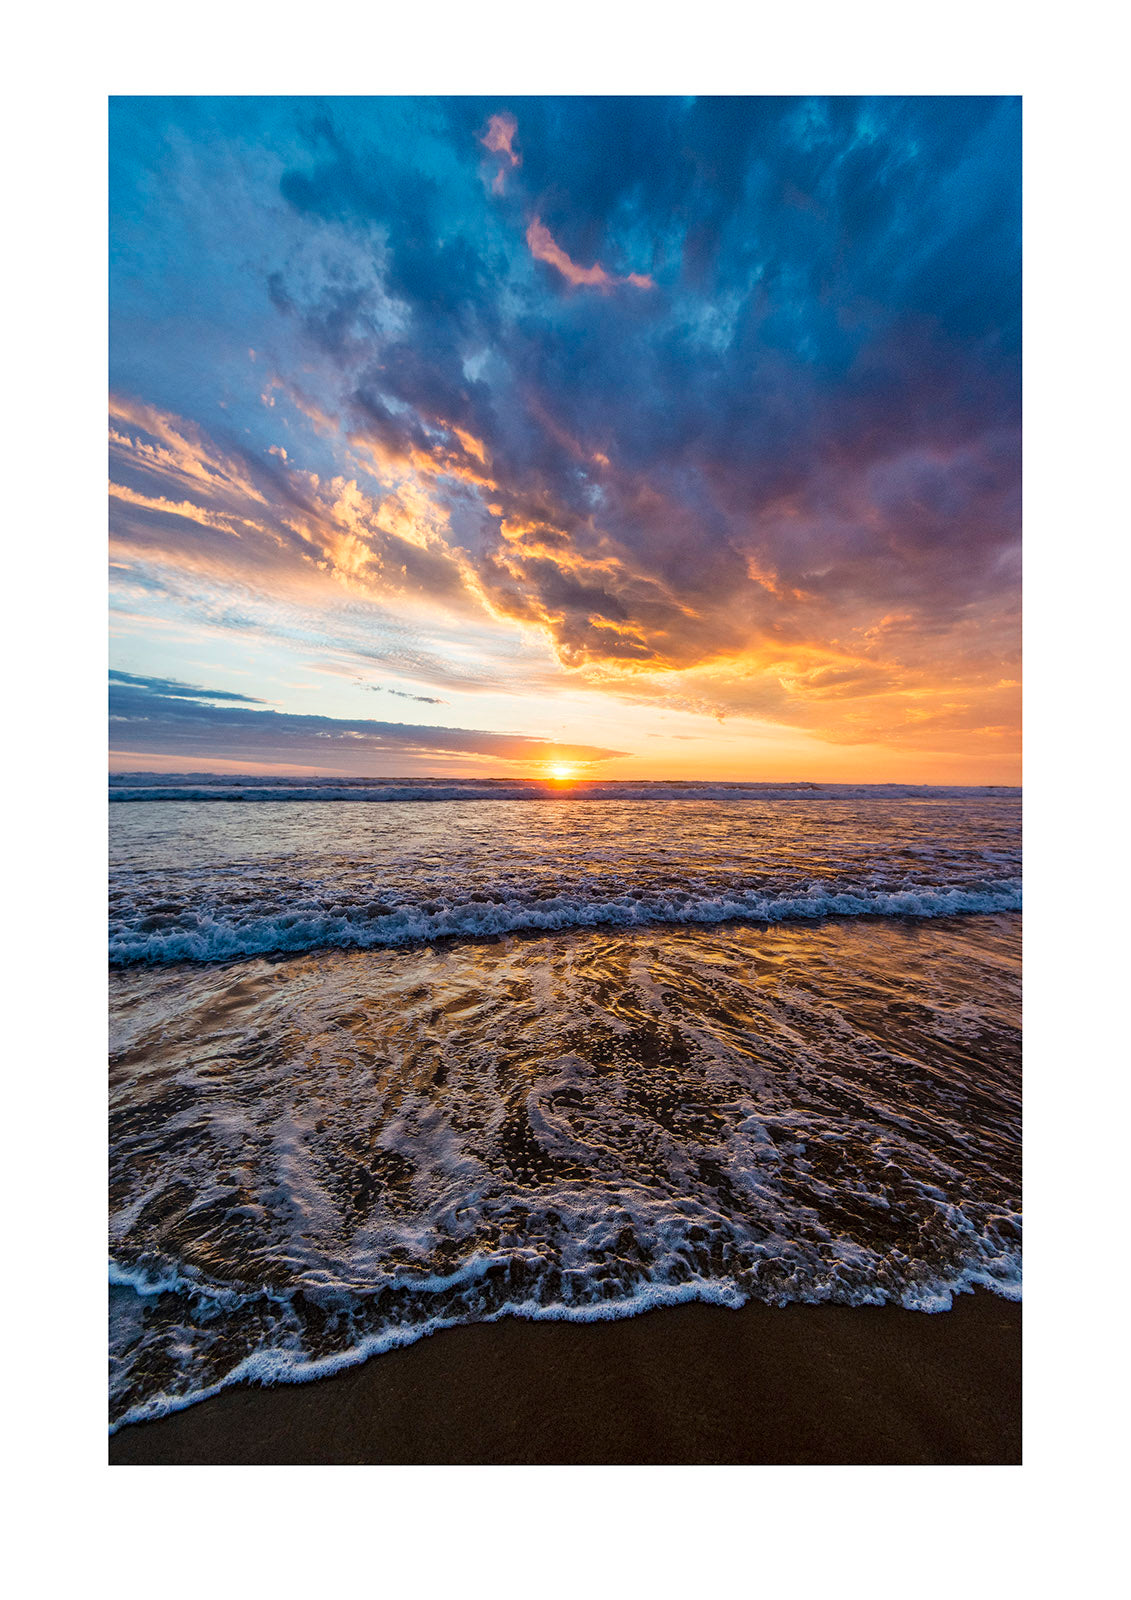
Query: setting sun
<point x="561" y="773"/>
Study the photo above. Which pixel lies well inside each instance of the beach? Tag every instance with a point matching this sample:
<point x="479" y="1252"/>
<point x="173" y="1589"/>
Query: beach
<point x="672" y="1126"/>
<point x="689" y="1385"/>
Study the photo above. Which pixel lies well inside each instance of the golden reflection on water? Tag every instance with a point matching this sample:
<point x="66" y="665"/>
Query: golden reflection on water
<point x="801" y="1110"/>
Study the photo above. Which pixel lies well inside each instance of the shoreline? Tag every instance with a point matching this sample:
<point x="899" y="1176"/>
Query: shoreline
<point x="681" y="1385"/>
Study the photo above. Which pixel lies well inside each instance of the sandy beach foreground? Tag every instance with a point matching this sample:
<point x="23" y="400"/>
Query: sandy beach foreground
<point x="691" y="1384"/>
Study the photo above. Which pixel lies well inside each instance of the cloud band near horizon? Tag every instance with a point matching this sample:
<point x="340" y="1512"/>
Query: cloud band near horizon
<point x="175" y="719"/>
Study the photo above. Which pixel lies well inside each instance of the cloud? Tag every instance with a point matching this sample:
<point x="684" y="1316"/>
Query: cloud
<point x="544" y="248"/>
<point x="187" y="725"/>
<point x="403" y="694"/>
<point x="499" y="140"/>
<point x="179" y="691"/>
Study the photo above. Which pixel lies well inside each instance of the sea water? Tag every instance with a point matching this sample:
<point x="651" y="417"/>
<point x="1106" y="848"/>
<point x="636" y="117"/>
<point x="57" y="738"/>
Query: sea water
<point x="388" y="1056"/>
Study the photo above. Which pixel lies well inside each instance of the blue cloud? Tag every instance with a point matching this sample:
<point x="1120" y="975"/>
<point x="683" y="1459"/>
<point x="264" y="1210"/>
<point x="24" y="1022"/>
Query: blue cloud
<point x="176" y="690"/>
<point x="185" y="722"/>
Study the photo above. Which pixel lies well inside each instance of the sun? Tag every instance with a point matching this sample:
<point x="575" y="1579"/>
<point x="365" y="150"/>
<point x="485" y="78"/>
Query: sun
<point x="561" y="773"/>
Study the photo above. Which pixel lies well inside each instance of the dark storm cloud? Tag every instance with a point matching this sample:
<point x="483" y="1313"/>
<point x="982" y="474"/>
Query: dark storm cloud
<point x="835" y="315"/>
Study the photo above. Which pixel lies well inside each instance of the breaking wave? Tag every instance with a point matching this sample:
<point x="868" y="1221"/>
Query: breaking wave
<point x="200" y="935"/>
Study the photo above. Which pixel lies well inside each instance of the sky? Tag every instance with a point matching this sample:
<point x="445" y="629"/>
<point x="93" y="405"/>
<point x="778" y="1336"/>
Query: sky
<point x="656" y="438"/>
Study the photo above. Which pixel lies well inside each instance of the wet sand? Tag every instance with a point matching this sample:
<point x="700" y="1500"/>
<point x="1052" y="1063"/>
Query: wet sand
<point x="691" y="1384"/>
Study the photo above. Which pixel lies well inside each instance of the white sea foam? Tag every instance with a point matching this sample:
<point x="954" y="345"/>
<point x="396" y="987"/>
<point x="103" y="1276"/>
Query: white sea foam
<point x="203" y="936"/>
<point x="273" y="1364"/>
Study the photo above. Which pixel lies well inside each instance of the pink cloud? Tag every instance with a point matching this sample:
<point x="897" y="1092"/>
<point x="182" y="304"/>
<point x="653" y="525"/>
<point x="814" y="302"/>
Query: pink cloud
<point x="543" y="247"/>
<point x="499" y="139"/>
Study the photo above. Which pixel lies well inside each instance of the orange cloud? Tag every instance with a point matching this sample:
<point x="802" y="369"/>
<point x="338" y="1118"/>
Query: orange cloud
<point x="178" y="508"/>
<point x="396" y="542"/>
<point x="543" y="247"/>
<point x="180" y="452"/>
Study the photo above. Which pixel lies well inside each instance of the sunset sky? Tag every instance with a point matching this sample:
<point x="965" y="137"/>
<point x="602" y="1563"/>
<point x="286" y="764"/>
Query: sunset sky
<point x="663" y="437"/>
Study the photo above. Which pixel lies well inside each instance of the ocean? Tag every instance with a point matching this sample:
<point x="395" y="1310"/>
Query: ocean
<point x="392" y="1055"/>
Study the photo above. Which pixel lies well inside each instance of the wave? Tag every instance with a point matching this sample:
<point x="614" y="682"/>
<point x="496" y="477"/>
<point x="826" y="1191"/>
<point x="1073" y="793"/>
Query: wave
<point x="205" y="787"/>
<point x="202" y="935"/>
<point x="271" y="1364"/>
